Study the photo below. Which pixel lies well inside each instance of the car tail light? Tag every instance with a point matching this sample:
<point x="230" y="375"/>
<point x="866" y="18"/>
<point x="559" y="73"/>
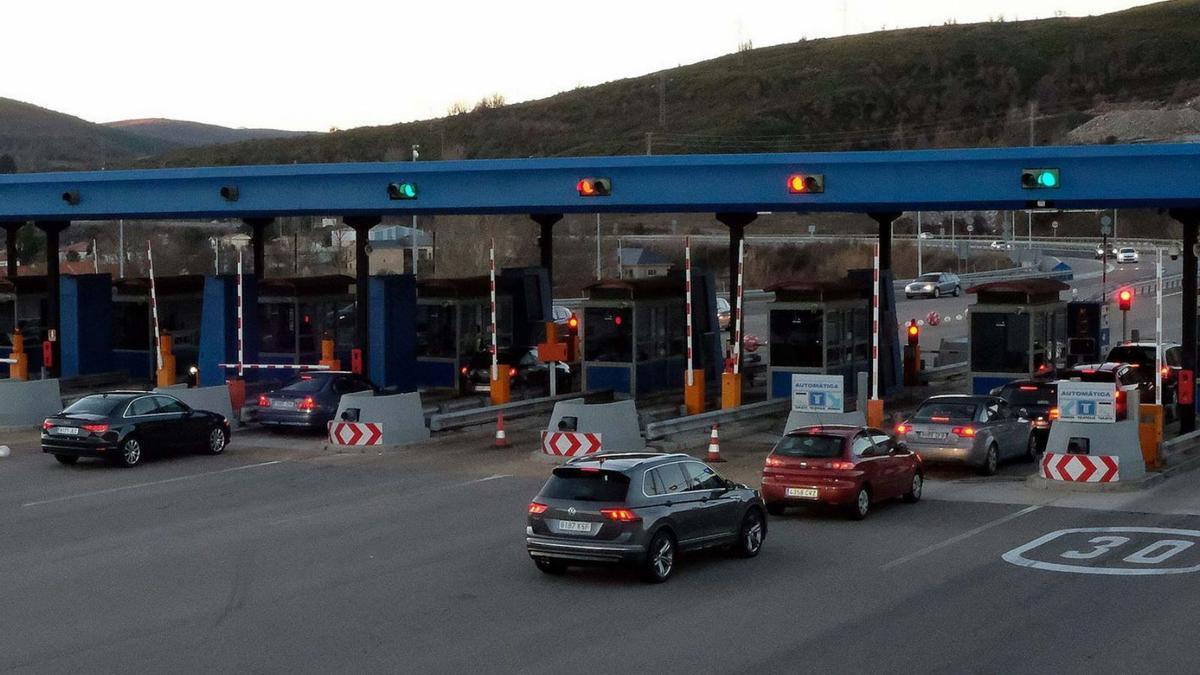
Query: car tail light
<point x="512" y="372"/>
<point x="620" y="515"/>
<point x="964" y="432"/>
<point x="47" y="425"/>
<point x="1054" y="414"/>
<point x="841" y="466"/>
<point x="264" y="402"/>
<point x="96" y="428"/>
<point x="536" y="508"/>
<point x="1027" y="387"/>
<point x="307" y="404"/>
<point x="774" y="461"/>
<point x="903" y="428"/>
<point x="1166" y="372"/>
<point x="939" y="420"/>
<point x="463" y="370"/>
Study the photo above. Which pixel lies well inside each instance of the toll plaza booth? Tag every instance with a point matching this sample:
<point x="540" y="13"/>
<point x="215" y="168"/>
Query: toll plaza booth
<point x="23" y="305"/>
<point x="634" y="334"/>
<point x="179" y="305"/>
<point x="296" y="313"/>
<point x="819" y="328"/>
<point x="454" y="315"/>
<point x="1018" y="331"/>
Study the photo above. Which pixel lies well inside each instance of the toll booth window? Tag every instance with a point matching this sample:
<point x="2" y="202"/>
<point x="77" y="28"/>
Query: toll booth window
<point x="862" y="334"/>
<point x="277" y="326"/>
<point x="835" y="347"/>
<point x="181" y="318"/>
<point x="797" y="338"/>
<point x="653" y="339"/>
<point x="435" y="331"/>
<point x="476" y="320"/>
<point x="607" y="335"/>
<point x="310" y="326"/>
<point x="131" y="325"/>
<point x="1000" y="342"/>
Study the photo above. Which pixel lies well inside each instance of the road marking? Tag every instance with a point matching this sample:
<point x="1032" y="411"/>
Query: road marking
<point x="151" y="483"/>
<point x="965" y="535"/>
<point x="5" y="451"/>
<point x="497" y="476"/>
<point x="1112" y="550"/>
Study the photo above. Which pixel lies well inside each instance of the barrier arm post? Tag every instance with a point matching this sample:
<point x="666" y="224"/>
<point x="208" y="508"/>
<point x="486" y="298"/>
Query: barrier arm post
<point x="500" y="380"/>
<point x="693" y="390"/>
<point x="731" y="383"/>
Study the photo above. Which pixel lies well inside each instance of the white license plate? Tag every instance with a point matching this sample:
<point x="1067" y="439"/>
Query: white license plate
<point x="803" y="493"/>
<point x="934" y="435"/>
<point x="283" y="404"/>
<point x="574" y="526"/>
<point x="66" y="431"/>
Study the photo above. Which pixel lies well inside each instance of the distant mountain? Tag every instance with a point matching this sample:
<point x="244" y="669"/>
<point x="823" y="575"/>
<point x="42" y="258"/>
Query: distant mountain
<point x="174" y="134"/>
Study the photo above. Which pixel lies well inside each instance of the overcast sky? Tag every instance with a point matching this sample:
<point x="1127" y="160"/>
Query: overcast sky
<point x="313" y="65"/>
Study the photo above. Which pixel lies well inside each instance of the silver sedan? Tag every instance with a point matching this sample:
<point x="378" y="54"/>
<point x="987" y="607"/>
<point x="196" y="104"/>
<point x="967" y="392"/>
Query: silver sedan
<point x="980" y="431"/>
<point x="934" y="285"/>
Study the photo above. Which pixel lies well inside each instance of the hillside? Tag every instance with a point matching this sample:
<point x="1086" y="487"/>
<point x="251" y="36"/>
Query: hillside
<point x="955" y="85"/>
<point x="44" y="140"/>
<point x="174" y="134"/>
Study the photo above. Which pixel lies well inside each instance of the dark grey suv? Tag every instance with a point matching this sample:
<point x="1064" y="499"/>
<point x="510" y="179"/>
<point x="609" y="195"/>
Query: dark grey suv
<point x="640" y="509"/>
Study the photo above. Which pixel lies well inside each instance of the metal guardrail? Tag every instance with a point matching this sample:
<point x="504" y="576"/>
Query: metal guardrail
<point x="944" y="372"/>
<point x="486" y="414"/>
<point x="1180" y="444"/>
<point x="660" y="430"/>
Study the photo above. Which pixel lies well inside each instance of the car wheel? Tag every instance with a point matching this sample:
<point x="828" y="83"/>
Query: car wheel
<point x="862" y="504"/>
<point x="555" y="567"/>
<point x="1031" y="449"/>
<point x="957" y="291"/>
<point x="660" y="558"/>
<point x="67" y="459"/>
<point x="918" y="486"/>
<point x="776" y="508"/>
<point x="937" y="293"/>
<point x="131" y="453"/>
<point x="991" y="463"/>
<point x="751" y="534"/>
<point x="216" y="441"/>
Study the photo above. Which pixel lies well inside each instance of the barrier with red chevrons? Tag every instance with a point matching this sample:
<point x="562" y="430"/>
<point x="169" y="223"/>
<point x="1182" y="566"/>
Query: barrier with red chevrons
<point x="569" y="443"/>
<point x="1081" y="468"/>
<point x="355" y="433"/>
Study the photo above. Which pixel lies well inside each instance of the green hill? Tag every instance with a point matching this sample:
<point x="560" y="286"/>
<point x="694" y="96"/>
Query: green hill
<point x="955" y="85"/>
<point x="173" y="134"/>
<point x="44" y="140"/>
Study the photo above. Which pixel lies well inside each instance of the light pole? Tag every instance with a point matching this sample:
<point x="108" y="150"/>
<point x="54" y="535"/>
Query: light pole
<point x="599" y="269"/>
<point x="918" y="243"/>
<point x="413" y="232"/>
<point x="121" y="252"/>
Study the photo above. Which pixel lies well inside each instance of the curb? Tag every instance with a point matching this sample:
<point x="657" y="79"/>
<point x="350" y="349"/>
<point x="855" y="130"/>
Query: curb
<point x="1041" y="483"/>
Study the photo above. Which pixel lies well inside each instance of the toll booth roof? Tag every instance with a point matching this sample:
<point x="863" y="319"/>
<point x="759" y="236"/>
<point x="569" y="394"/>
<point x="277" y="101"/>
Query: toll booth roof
<point x="460" y="287"/>
<point x="1019" y="292"/>
<point x="819" y="291"/>
<point x="671" y="286"/>
<point x="187" y="284"/>
<point x="329" y="284"/>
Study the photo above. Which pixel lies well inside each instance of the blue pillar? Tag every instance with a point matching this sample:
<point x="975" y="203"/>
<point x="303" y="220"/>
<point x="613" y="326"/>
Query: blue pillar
<point x="86" y="324"/>
<point x="393" y="337"/>
<point x="218" y="326"/>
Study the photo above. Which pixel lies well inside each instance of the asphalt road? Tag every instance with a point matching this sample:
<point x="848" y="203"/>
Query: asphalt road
<point x="283" y="559"/>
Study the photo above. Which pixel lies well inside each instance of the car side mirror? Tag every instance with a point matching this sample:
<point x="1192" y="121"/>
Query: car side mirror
<point x="900" y="448"/>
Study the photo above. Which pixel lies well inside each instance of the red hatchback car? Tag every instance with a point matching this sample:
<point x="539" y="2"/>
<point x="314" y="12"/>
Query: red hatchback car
<point x="841" y="465"/>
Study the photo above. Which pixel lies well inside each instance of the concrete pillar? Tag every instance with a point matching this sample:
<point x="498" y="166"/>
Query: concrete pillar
<point x="258" y="245"/>
<point x="546" y="242"/>
<point x="1190" y="218"/>
<point x="10" y="231"/>
<point x="53" y="228"/>
<point x="362" y="278"/>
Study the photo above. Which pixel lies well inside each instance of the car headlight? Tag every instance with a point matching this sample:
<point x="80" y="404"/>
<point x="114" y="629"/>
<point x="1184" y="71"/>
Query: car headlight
<point x="928" y="287"/>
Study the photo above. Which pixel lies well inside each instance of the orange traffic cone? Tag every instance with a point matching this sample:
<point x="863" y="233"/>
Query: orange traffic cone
<point x="501" y="439"/>
<point x="714" y="447"/>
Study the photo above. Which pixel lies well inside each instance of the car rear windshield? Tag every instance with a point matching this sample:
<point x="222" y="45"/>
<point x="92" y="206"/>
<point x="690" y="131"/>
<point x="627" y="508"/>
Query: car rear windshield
<point x="586" y="485"/>
<point x="95" y="405"/>
<point x="1129" y="354"/>
<point x="307" y="384"/>
<point x="1029" y="394"/>
<point x="936" y="411"/>
<point x="1091" y="375"/>
<point x="810" y="445"/>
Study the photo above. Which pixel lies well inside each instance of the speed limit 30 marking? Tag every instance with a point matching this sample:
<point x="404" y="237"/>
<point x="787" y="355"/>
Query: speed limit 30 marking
<point x="1115" y="551"/>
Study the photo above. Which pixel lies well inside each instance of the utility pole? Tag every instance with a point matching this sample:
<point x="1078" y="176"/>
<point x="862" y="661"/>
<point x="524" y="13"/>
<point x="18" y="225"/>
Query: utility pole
<point x="598" y="267"/>
<point x="413" y="232"/>
<point x="918" y="240"/>
<point x="121" y="251"/>
<point x="649" y="143"/>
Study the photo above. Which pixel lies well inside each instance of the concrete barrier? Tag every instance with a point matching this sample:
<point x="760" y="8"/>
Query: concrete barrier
<point x="1118" y="439"/>
<point x="617" y="423"/>
<point x="401" y="416"/>
<point x="27" y="404"/>
<point x="212" y="399"/>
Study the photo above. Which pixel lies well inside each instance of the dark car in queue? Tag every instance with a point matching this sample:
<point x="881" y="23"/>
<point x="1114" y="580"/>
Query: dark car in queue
<point x="840" y="465"/>
<point x="525" y="371"/>
<point x="980" y="431"/>
<point x="640" y="509"/>
<point x="1125" y="377"/>
<point x="1143" y="355"/>
<point x="310" y="401"/>
<point x="123" y="427"/>
<point x="1036" y="401"/>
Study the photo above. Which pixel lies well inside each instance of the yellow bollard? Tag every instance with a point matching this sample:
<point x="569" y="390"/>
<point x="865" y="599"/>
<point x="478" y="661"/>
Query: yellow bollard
<point x="327" y="358"/>
<point x="20" y="369"/>
<point x="875" y="413"/>
<point x="166" y="374"/>
<point x="693" y="395"/>
<point x="1150" y="434"/>
<point x="731" y="390"/>
<point x="500" y="385"/>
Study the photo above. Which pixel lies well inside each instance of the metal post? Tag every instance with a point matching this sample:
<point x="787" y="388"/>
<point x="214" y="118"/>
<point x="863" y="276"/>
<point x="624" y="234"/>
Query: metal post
<point x="53" y="228"/>
<point x="687" y="287"/>
<point x="95" y="258"/>
<point x="121" y="249"/>
<point x="1030" y="214"/>
<point x="919" y="263"/>
<point x="1158" y="340"/>
<point x="362" y="282"/>
<point x="1190" y="219"/>
<point x="492" y="298"/>
<point x="875" y="325"/>
<point x="546" y="242"/>
<point x="736" y="222"/>
<point x="737" y="307"/>
<point x="11" y="230"/>
<point x="154" y="310"/>
<point x="413" y="231"/>
<point x="241" y="326"/>
<point x="599" y="269"/>
<point x="259" y="226"/>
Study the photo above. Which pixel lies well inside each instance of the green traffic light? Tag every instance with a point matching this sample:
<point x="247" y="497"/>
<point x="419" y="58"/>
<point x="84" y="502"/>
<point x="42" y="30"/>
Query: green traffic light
<point x="1047" y="179"/>
<point x="1040" y="179"/>
<point x="408" y="189"/>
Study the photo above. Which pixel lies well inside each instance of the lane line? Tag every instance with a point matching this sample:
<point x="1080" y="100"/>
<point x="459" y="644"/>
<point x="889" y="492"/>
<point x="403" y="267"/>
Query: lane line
<point x="151" y="483"/>
<point x="965" y="535"/>
<point x="497" y="476"/>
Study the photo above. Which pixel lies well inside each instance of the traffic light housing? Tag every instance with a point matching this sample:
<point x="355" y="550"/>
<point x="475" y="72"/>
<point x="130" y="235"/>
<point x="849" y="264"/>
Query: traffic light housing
<point x="1040" y="179"/>
<point x="914" y="333"/>
<point x="398" y="191"/>
<point x="594" y="187"/>
<point x="1125" y="299"/>
<point x="806" y="183"/>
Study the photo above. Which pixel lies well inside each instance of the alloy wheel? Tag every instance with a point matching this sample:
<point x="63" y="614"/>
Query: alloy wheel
<point x="131" y="452"/>
<point x="216" y="441"/>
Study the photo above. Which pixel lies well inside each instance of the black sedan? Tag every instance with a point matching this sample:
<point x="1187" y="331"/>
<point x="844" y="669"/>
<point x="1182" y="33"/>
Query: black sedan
<point x="310" y="401"/>
<point x="122" y="427"/>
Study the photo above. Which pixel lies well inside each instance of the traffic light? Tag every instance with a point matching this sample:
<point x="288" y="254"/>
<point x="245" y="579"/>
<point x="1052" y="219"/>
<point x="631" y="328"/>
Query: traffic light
<point x="1125" y="299"/>
<point x="1040" y="179"/>
<point x="806" y="183"/>
<point x="594" y="187"/>
<point x="402" y="191"/>
<point x="914" y="333"/>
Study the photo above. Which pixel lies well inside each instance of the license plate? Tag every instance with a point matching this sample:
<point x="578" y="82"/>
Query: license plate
<point x="283" y="404"/>
<point x="934" y="435"/>
<point x="574" y="526"/>
<point x="66" y="431"/>
<point x="802" y="493"/>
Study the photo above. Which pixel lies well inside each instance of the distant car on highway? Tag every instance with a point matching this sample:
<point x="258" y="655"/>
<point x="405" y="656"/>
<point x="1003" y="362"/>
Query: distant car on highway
<point x="980" y="431"/>
<point x="641" y="509"/>
<point x="926" y="235"/>
<point x="934" y="285"/>
<point x="1100" y="252"/>
<point x="999" y="245"/>
<point x="310" y="401"/>
<point x="122" y="427"/>
<point x="1127" y="255"/>
<point x="841" y="465"/>
<point x="1035" y="400"/>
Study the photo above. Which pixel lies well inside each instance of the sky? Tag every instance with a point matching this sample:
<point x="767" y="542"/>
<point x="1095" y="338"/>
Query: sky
<point x="309" y="65"/>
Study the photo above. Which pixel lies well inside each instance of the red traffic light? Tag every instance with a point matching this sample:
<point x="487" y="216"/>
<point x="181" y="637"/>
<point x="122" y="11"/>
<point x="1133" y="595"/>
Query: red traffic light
<point x="573" y="323"/>
<point x="801" y="184"/>
<point x="1125" y="299"/>
<point x="594" y="187"/>
<point x="914" y="333"/>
